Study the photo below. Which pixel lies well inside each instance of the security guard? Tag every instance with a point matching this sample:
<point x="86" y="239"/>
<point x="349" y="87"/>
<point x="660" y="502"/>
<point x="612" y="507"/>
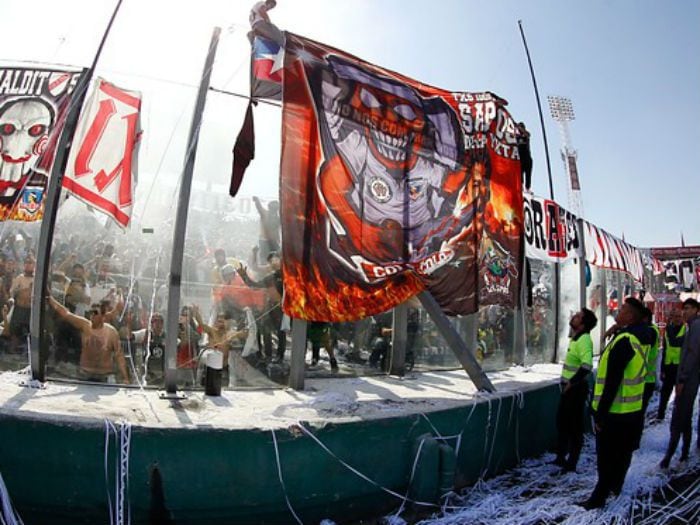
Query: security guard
<point x="617" y="404"/>
<point x="574" y="389"/>
<point x="673" y="341"/>
<point x="651" y="351"/>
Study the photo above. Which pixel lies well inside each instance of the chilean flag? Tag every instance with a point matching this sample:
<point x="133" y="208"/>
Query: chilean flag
<point x="267" y="64"/>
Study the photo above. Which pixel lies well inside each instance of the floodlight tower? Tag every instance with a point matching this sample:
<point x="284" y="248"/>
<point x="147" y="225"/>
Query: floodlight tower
<point x="563" y="112"/>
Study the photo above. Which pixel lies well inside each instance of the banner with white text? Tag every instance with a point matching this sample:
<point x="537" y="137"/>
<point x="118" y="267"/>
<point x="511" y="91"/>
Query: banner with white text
<point x="551" y="232"/>
<point x="390" y="187"/>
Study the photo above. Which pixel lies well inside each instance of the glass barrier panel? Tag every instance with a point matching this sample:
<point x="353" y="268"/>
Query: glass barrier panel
<point x="109" y="284"/>
<point x="569" y="302"/>
<point x="17" y="263"/>
<point x="539" y="317"/>
<point x="594" y="302"/>
<point x="495" y="337"/>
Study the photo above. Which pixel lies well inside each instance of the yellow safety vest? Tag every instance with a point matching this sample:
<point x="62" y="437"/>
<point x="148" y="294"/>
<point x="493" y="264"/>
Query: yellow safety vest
<point x="631" y="391"/>
<point x="651" y="353"/>
<point x="673" y="353"/>
<point x="579" y="355"/>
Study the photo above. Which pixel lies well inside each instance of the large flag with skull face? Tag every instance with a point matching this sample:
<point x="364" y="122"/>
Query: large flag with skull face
<point x="33" y="106"/>
<point x="390" y="187"/>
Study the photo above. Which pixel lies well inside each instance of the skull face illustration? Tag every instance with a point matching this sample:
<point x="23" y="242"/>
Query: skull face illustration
<point x="393" y="125"/>
<point x="394" y="168"/>
<point x="24" y="129"/>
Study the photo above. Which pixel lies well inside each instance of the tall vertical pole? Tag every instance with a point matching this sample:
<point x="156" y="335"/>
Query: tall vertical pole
<point x="539" y="109"/>
<point x="582" y="264"/>
<point x="399" y="338"/>
<point x="557" y="276"/>
<point x="171" y="330"/>
<point x="298" y="355"/>
<point x="519" y="324"/>
<point x="38" y="349"/>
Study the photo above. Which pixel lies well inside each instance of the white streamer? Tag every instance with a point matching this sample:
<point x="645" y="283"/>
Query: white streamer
<point x="279" y="474"/>
<point x="8" y="516"/>
<point x="360" y="474"/>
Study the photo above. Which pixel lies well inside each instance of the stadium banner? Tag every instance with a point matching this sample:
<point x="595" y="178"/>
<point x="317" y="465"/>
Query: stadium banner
<point x="33" y="106"/>
<point x="551" y="232"/>
<point x="101" y="168"/>
<point x="607" y="251"/>
<point x="390" y="187"/>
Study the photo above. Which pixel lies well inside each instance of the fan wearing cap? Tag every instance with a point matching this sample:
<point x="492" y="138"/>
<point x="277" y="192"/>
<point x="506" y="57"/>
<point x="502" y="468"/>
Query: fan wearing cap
<point x="221" y="260"/>
<point x="233" y="295"/>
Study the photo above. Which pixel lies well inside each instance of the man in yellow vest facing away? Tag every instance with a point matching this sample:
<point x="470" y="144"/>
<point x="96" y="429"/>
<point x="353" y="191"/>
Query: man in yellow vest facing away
<point x="617" y="404"/>
<point x="673" y="341"/>
<point x="651" y="350"/>
<point x="578" y="363"/>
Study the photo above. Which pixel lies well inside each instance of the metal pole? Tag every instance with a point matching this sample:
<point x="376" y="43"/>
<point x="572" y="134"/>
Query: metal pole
<point x="399" y="338"/>
<point x="181" y="221"/>
<point x="454" y="341"/>
<point x="519" y="320"/>
<point x="539" y="109"/>
<point x="582" y="263"/>
<point x="298" y="355"/>
<point x="603" y="309"/>
<point x="38" y="351"/>
<point x="551" y="189"/>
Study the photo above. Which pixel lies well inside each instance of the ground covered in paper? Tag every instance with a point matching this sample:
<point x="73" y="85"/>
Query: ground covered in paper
<point x="538" y="493"/>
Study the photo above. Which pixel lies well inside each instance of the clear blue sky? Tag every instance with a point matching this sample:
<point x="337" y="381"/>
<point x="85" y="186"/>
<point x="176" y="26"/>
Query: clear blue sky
<point x="631" y="69"/>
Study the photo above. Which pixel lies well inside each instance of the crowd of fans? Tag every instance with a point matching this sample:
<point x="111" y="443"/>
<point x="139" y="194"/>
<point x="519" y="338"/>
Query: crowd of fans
<point x="107" y="312"/>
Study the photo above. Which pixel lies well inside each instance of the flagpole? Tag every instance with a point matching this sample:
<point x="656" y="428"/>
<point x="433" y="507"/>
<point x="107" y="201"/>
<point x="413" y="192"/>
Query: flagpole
<point x="557" y="285"/>
<point x="175" y="277"/>
<point x="38" y="347"/>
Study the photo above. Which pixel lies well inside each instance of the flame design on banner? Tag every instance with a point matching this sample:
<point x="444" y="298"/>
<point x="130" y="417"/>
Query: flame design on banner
<point x="390" y="187"/>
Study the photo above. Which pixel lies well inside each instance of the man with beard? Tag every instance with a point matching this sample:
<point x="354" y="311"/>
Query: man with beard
<point x="617" y="404"/>
<point x="101" y="352"/>
<point x="574" y="384"/>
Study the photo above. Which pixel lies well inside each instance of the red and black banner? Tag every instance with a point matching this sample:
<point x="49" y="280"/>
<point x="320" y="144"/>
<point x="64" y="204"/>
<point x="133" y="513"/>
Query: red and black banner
<point x="33" y="106"/>
<point x="389" y="187"/>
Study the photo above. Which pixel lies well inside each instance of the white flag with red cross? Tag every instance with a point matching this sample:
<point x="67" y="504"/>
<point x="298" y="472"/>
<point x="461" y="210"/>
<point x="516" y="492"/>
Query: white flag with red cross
<point x="101" y="168"/>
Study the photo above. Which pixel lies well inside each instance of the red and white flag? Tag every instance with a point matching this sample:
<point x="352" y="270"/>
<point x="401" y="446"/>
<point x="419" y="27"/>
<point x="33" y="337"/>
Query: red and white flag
<point x="101" y="169"/>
